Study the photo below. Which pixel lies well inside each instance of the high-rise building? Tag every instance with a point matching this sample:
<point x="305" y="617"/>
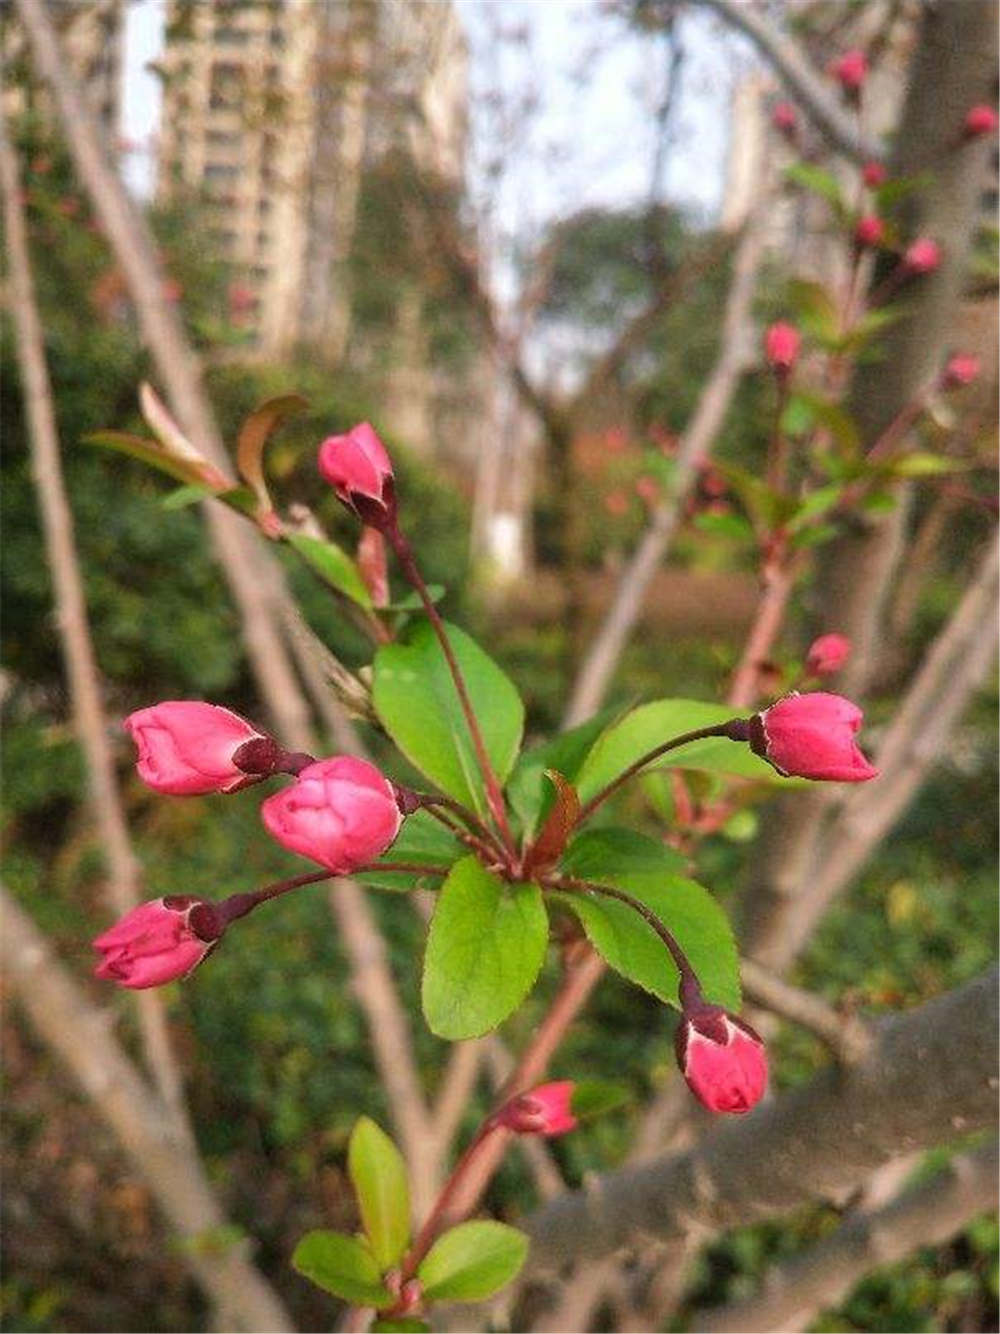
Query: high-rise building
<point x="91" y="36"/>
<point x="272" y="108"/>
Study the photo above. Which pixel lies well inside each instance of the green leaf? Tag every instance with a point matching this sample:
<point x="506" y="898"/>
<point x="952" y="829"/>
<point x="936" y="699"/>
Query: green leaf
<point x="724" y="525"/>
<point x="472" y="1261"/>
<point x="421" y="839"/>
<point x="923" y="464"/>
<point x="686" y="908"/>
<point x="254" y="435"/>
<point x="378" y="1174"/>
<point x="192" y="494"/>
<point x="765" y="506"/>
<point x="484" y="951"/>
<point x="414" y="602"/>
<point x="816" y="179"/>
<point x="147" y="451"/>
<point x="531" y="795"/>
<point x="595" y="1097"/>
<point x="839" y="423"/>
<point x="820" y="500"/>
<point x="404" y="1324"/>
<point x="814" y="307"/>
<point x="416" y="700"/>
<point x="333" y="565"/>
<point x="649" y="726"/>
<point x="342" y="1265"/>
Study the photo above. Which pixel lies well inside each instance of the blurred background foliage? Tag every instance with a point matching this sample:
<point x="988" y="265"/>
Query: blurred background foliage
<point x="275" y="1052"/>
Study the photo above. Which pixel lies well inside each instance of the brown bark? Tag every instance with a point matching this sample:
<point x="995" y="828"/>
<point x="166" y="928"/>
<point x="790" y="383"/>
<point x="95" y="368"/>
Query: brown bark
<point x="811" y="1144"/>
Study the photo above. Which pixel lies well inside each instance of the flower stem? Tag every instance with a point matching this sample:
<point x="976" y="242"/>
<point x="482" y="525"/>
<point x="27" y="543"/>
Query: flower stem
<point x="494" y="795"/>
<point x="735" y="730"/>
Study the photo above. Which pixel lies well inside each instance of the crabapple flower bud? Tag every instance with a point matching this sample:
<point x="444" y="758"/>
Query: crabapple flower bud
<point x="543" y="1111"/>
<point x="827" y="654"/>
<point x="873" y="174"/>
<point x="360" y="471"/>
<point x="722" y="1059"/>
<point x="869" y="230"/>
<point x="960" y="370"/>
<point x="980" y="120"/>
<point x="157" y="942"/>
<point x="850" y="70"/>
<point x="785" y="118"/>
<point x="812" y="736"/>
<point x="781" y="346"/>
<point x="188" y="747"/>
<point x="922" y="255"/>
<point x="341" y="813"/>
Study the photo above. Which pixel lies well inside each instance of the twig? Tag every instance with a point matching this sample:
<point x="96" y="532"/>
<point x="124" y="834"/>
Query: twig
<point x="847" y="1036"/>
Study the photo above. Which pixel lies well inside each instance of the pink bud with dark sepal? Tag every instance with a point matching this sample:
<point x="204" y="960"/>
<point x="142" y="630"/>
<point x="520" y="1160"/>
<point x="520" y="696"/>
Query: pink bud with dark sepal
<point x="812" y="736"/>
<point x="922" y="255"/>
<point x="188" y="747"/>
<point x="158" y="942"/>
<point x="722" y="1059"/>
<point x="782" y="342"/>
<point x="850" y="70"/>
<point x="979" y="120"/>
<point x="960" y="370"/>
<point x="341" y="813"/>
<point x="874" y="174"/>
<point x="827" y="654"/>
<point x="546" y="1110"/>
<point x="785" y="118"/>
<point x="360" y="471"/>
<point x="869" y="231"/>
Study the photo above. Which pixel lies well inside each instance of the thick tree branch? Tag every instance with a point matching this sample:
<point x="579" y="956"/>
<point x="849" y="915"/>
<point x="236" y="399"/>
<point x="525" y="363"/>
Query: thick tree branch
<point x="80" y="1035"/>
<point x="606" y="647"/>
<point x="793" y="1294"/>
<point x="807" y="1145"/>
<point x="803" y="81"/>
<point x="125" y="877"/>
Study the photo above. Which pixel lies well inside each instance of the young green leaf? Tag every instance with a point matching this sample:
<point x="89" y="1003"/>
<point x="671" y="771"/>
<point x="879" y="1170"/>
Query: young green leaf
<point x="422" y="839"/>
<point x="378" y="1174"/>
<point x="333" y="565"/>
<point x="472" y="1261"/>
<point x="626" y="942"/>
<point x="818" y="180"/>
<point x="651" y="724"/>
<point x="595" y="1097"/>
<point x="254" y="435"/>
<point x="342" y="1265"/>
<point x="399" y="1324"/>
<point x="416" y="700"/>
<point x="484" y="951"/>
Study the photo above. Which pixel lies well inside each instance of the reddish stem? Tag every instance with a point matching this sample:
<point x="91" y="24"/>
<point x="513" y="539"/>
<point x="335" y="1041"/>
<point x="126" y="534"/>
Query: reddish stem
<point x="778" y="584"/>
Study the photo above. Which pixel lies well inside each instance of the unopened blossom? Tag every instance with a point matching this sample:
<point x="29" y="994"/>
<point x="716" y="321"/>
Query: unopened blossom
<point x="340" y="812"/>
<point x="960" y="370"/>
<point x="873" y="174"/>
<point x="360" y="471"/>
<point x="850" y="70"/>
<point x="157" y="942"/>
<point x="869" y="230"/>
<point x="546" y="1110"/>
<point x="781" y="346"/>
<point x="980" y="120"/>
<point x="785" y="118"/>
<point x="827" y="654"/>
<point x="812" y="736"/>
<point x="722" y="1059"/>
<point x="188" y="747"/>
<point x="922" y="255"/>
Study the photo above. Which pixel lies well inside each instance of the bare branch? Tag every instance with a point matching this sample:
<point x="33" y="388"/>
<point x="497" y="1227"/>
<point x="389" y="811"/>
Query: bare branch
<point x="930" y="1214"/>
<point x="803" y="81"/>
<point x="598" y="666"/>
<point x="806" y="1145"/>
<point x="80" y="1035"/>
<point x="847" y="1036"/>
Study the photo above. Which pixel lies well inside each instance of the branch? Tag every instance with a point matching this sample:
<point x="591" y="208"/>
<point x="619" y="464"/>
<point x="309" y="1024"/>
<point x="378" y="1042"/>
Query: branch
<point x="803" y="81"/>
<point x="80" y="1036"/>
<point x="847" y="1036"/>
<point x="125" y="877"/>
<point x="598" y="667"/>
<point x="806" y="1145"/>
<point x="793" y="1294"/>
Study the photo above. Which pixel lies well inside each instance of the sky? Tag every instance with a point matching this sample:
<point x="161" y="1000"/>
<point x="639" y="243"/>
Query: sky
<point x="591" y="139"/>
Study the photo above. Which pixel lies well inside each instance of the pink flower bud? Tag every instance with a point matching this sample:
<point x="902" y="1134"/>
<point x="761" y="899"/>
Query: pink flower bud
<point x="781" y="346"/>
<point x="850" y="70"/>
<point x="341" y="813"/>
<point x="360" y="471"/>
<point x="869" y="230"/>
<point x="616" y="503"/>
<point x="812" y="736"/>
<point x="187" y="747"/>
<point x="157" y="942"/>
<point x="873" y="174"/>
<point x="543" y="1111"/>
<point x="722" y="1059"/>
<point x="960" y="370"/>
<point x="785" y="118"/>
<point x="922" y="255"/>
<point x="979" y="120"/>
<point x="827" y="654"/>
